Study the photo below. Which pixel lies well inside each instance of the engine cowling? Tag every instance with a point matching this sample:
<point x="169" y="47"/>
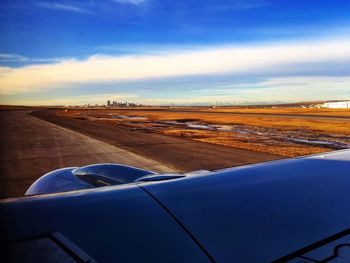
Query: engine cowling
<point x="90" y="176"/>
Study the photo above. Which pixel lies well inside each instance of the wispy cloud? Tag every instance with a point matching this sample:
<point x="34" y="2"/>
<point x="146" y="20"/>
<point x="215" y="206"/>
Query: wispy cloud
<point x="17" y="58"/>
<point x="62" y="7"/>
<point x="284" y="58"/>
<point x="5" y="58"/>
<point x="133" y="2"/>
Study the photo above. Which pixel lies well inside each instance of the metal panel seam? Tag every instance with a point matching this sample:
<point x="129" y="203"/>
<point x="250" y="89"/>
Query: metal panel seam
<point x="181" y="225"/>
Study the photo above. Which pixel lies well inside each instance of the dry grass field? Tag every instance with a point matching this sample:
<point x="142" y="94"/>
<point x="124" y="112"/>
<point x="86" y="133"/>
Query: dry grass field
<point x="283" y="135"/>
<point x="299" y="111"/>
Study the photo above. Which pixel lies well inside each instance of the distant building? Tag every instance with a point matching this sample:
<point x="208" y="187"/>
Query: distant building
<point x="122" y="104"/>
<point x="337" y="105"/>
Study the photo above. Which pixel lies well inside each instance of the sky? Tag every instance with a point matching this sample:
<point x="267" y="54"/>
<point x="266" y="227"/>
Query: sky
<point x="166" y="52"/>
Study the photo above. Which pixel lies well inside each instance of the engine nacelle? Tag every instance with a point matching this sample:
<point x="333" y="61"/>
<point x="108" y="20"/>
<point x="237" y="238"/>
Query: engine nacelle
<point x="90" y="176"/>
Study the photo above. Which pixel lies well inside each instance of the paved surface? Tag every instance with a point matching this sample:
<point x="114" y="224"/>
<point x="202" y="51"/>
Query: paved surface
<point x="30" y="147"/>
<point x="179" y="153"/>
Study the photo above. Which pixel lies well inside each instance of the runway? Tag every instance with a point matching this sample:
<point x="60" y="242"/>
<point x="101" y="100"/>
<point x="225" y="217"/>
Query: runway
<point x="30" y="147"/>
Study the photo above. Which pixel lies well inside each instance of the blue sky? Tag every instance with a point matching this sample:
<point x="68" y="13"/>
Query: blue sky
<point x="181" y="52"/>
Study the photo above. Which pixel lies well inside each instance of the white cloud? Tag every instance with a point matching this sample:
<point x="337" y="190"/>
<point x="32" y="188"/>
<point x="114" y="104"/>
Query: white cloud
<point x="17" y="58"/>
<point x="63" y="7"/>
<point x="134" y="2"/>
<point x="214" y="60"/>
<point x="12" y="58"/>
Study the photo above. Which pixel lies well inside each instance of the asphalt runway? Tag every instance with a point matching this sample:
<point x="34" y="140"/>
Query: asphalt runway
<point x="30" y="147"/>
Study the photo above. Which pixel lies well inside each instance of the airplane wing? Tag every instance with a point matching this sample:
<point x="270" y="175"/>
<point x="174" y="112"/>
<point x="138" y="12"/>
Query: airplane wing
<point x="294" y="210"/>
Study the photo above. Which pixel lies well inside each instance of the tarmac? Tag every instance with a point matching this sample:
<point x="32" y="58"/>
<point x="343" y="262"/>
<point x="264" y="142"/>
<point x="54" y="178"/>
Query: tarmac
<point x="30" y="147"/>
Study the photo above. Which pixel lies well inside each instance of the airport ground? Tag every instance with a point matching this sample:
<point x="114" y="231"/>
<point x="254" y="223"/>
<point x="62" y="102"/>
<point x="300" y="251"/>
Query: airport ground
<point x="285" y="132"/>
<point x="36" y="140"/>
<point x="31" y="147"/>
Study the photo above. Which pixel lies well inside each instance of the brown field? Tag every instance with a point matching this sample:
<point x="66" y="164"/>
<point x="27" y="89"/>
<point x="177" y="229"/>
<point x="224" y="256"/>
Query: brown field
<point x="299" y="111"/>
<point x="283" y="135"/>
<point x="251" y="110"/>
